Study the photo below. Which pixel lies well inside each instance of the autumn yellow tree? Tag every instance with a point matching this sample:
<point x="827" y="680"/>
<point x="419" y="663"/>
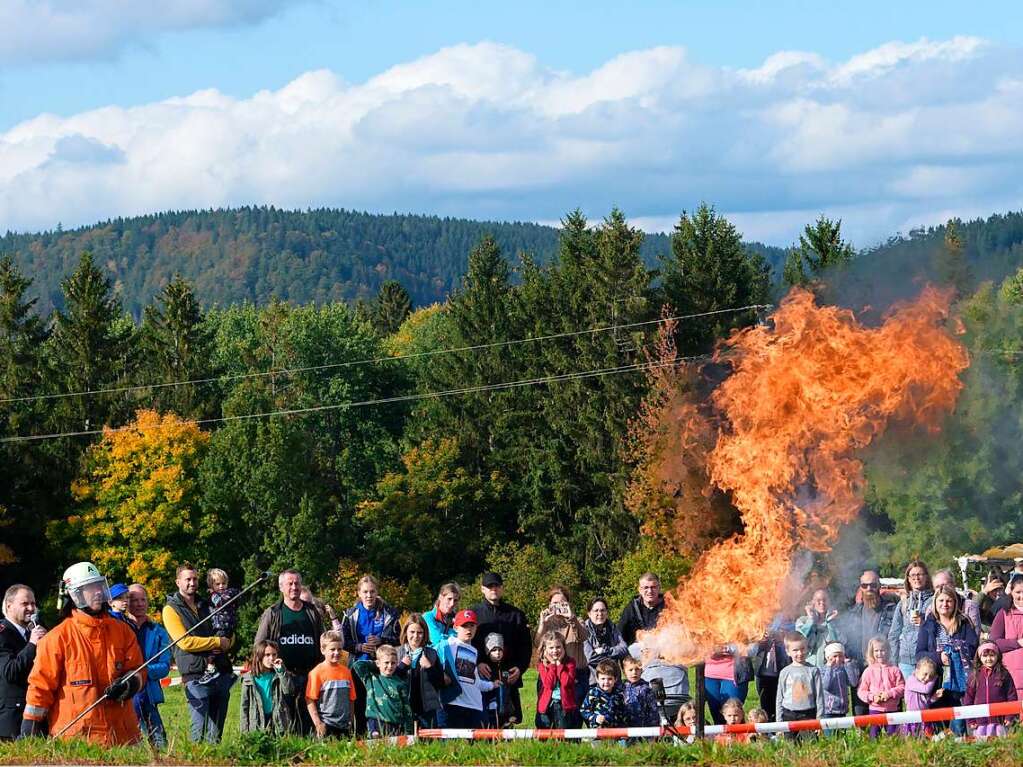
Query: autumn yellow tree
<point x="137" y="511"/>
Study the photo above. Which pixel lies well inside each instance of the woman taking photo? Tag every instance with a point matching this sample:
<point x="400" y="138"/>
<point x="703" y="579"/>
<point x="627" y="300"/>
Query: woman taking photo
<point x="948" y="638"/>
<point x="910" y="615"/>
<point x="605" y="641"/>
<point x="558" y="618"/>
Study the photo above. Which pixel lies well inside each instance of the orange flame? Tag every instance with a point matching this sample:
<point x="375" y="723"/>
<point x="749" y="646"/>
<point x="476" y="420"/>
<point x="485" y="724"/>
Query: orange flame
<point x="803" y="398"/>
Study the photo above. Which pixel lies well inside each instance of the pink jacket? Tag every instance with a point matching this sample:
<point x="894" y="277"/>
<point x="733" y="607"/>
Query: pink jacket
<point x="879" y="678"/>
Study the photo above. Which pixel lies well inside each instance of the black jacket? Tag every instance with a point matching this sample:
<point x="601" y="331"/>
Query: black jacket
<point x="638" y="616"/>
<point x="510" y="622"/>
<point x="855" y="633"/>
<point x="16" y="657"/>
<point x="428" y="681"/>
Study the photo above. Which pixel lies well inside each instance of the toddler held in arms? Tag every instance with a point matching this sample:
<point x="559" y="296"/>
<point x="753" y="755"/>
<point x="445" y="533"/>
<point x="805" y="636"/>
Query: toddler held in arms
<point x="224" y="622"/>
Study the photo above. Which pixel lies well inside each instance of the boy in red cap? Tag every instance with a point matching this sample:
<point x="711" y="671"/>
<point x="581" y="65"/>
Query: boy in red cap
<point x="463" y="697"/>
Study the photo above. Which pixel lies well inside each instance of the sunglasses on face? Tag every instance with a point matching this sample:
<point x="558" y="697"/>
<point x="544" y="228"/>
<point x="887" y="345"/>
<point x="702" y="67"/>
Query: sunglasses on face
<point x="868" y="585"/>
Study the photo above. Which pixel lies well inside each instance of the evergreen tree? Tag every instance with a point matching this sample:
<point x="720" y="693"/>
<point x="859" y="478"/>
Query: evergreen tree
<point x="391" y="307"/>
<point x="709" y="269"/>
<point x="85" y="348"/>
<point x="951" y="266"/>
<point x="23" y="478"/>
<point x="178" y="348"/>
<point x="820" y="247"/>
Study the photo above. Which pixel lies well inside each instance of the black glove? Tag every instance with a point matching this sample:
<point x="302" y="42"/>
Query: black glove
<point x="120" y="689"/>
<point x="32" y="728"/>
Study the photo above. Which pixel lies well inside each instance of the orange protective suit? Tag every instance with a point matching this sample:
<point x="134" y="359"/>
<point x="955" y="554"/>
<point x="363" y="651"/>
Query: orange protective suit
<point x="74" y="664"/>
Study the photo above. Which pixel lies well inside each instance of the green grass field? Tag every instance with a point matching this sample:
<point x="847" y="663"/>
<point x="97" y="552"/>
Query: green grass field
<point x="852" y="748"/>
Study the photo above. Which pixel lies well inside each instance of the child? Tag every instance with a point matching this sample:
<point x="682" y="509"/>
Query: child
<point x="687" y="718"/>
<point x="881" y="684"/>
<point x="497" y="707"/>
<point x="800" y="690"/>
<point x="757" y="716"/>
<point x="990" y="682"/>
<point x="463" y="698"/>
<point x="268" y="693"/>
<point x="119" y="603"/>
<point x="387" y="707"/>
<point x="640" y="703"/>
<point x="330" y="690"/>
<point x="421" y="666"/>
<point x="224" y="622"/>
<point x="556" y="706"/>
<point x="604" y="705"/>
<point x="837" y="675"/>
<point x="920" y="694"/>
<point x="733" y="713"/>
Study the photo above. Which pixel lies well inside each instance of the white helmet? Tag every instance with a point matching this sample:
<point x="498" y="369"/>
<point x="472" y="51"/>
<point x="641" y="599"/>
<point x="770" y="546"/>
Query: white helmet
<point x="77" y="577"/>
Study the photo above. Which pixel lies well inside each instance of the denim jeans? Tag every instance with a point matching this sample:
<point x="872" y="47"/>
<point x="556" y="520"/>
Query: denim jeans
<point x="150" y="722"/>
<point x="720" y="690"/>
<point x="207" y="707"/>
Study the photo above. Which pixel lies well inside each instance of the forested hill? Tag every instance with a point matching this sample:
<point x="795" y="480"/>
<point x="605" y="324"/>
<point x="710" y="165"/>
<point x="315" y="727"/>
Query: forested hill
<point x="257" y="253"/>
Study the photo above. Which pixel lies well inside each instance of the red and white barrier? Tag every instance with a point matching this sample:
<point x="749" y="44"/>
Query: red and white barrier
<point x="839" y="723"/>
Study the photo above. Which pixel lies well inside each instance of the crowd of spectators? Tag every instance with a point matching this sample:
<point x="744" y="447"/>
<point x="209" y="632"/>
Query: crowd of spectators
<point x="369" y="671"/>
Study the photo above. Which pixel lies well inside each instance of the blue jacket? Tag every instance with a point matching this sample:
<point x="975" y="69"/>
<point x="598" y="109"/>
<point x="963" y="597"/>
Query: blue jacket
<point x="152" y="639"/>
<point x="961" y="648"/>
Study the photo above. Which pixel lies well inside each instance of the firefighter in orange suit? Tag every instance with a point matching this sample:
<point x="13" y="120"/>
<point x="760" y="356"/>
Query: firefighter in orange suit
<point x="89" y="654"/>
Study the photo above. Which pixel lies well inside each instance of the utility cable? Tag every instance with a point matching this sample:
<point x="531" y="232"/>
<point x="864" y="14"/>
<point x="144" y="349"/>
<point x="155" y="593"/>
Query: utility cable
<point x="374" y="360"/>
<point x="578" y="375"/>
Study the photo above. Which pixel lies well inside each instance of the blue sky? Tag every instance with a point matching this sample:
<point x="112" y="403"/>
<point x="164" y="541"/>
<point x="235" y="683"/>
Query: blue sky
<point x="888" y="114"/>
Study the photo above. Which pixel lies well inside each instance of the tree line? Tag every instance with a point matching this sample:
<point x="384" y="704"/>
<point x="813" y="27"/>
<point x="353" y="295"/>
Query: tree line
<point x="361" y="466"/>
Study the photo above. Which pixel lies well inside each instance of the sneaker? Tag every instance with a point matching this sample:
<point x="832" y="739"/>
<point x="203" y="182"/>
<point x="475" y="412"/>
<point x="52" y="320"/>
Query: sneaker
<point x="209" y="676"/>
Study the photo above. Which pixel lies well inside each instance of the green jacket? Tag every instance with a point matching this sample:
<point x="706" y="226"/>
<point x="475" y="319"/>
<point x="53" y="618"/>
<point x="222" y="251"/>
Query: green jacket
<point x="283" y="717"/>
<point x="387" y="697"/>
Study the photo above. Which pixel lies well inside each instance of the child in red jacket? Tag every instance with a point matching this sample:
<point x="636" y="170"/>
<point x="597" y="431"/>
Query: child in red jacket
<point x="989" y="683"/>
<point x="556" y="706"/>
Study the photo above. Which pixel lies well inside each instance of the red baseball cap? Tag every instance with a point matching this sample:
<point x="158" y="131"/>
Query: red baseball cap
<point x="465" y="616"/>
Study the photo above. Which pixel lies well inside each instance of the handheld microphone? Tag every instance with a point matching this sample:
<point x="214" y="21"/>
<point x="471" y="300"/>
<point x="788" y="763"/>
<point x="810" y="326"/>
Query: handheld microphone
<point x="31" y="621"/>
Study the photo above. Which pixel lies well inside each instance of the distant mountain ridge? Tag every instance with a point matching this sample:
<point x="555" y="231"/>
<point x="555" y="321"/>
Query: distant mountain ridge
<point x="258" y="253"/>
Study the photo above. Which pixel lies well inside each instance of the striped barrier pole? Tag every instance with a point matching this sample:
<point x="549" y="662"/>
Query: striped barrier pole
<point x="1010" y="708"/>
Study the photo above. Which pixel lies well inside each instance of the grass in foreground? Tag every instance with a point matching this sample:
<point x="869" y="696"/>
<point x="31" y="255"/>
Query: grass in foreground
<point x="851" y="748"/>
<point x="848" y="749"/>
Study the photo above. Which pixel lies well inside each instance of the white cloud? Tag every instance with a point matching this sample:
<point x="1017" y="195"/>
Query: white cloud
<point x="43" y="30"/>
<point x="889" y="138"/>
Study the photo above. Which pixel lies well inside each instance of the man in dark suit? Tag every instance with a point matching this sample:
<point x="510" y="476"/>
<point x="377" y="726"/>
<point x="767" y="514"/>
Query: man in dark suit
<point x="19" y="635"/>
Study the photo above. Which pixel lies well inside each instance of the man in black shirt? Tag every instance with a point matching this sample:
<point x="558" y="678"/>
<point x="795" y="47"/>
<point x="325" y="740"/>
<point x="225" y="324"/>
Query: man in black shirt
<point x="19" y="635"/>
<point x="642" y="611"/>
<point x="497" y="616"/>
<point x="296" y="626"/>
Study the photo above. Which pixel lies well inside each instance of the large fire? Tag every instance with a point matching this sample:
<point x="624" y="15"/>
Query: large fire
<point x="805" y="395"/>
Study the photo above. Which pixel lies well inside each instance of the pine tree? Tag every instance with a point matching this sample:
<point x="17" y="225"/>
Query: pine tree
<point x="709" y="269"/>
<point x="820" y="247"/>
<point x="391" y="307"/>
<point x="21" y="338"/>
<point x="178" y="346"/>
<point x="85" y="348"/>
<point x="950" y="262"/>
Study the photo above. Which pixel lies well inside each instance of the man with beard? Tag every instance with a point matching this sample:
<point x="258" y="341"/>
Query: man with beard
<point x="869" y="617"/>
<point x="19" y="635"/>
<point x="207" y="698"/>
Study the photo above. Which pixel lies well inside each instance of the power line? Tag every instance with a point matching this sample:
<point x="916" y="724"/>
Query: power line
<point x="578" y="375"/>
<point x="374" y="360"/>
